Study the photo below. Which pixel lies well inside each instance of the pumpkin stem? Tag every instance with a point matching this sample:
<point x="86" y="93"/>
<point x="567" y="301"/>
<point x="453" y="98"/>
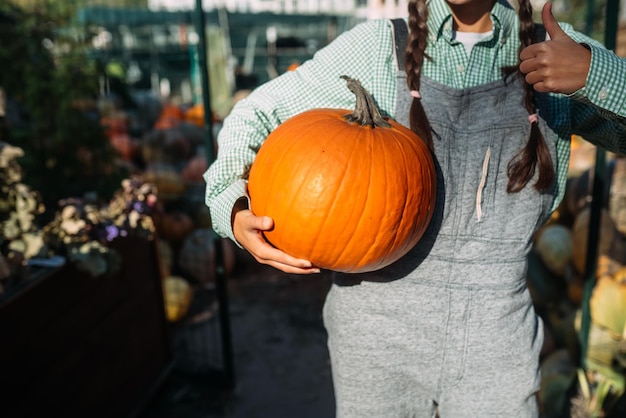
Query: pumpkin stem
<point x="366" y="113"/>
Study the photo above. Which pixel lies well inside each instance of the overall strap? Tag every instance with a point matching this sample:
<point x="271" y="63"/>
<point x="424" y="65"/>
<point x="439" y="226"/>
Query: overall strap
<point x="400" y="36"/>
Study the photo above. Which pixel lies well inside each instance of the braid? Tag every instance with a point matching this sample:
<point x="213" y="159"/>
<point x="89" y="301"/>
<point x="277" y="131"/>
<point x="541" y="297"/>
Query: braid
<point x="415" y="55"/>
<point x="535" y="154"/>
<point x="522" y="167"/>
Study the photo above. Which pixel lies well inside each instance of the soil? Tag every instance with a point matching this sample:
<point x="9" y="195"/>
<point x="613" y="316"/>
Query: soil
<point x="280" y="358"/>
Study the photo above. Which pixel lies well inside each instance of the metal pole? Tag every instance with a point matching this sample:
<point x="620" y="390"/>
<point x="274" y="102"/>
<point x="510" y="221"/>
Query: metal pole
<point x="204" y="78"/>
<point x="599" y="185"/>
<point x="220" y="271"/>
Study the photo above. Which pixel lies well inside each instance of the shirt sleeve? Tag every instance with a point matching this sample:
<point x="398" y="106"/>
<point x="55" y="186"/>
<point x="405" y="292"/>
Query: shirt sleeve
<point x="315" y="84"/>
<point x="599" y="108"/>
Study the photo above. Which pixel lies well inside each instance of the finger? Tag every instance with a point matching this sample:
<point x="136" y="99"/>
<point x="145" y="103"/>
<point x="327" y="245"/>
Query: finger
<point x="527" y="53"/>
<point x="542" y="87"/>
<point x="550" y="23"/>
<point x="268" y="254"/>
<point x="286" y="268"/>
<point x="261" y="223"/>
<point x="285" y="262"/>
<point x="533" y="79"/>
<point x="527" y="65"/>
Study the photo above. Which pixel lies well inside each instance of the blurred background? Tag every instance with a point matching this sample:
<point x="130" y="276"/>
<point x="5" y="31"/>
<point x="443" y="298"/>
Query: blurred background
<point x="116" y="297"/>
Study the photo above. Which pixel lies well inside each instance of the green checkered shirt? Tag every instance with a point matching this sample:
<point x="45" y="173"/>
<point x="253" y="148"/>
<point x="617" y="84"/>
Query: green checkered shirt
<point x="597" y="112"/>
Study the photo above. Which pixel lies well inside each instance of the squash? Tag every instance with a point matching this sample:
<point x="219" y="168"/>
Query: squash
<point x="608" y="319"/>
<point x="126" y="146"/>
<point x="608" y="306"/>
<point x="170" y="117"/>
<point x="554" y="246"/>
<point x="174" y="226"/>
<point x="351" y="192"/>
<point x="194" y="169"/>
<point x="167" y="180"/>
<point x="557" y="375"/>
<point x="178" y="294"/>
<point x="195" y="115"/>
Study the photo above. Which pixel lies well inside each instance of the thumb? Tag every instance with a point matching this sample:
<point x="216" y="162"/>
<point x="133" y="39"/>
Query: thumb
<point x="265" y="223"/>
<point x="550" y="23"/>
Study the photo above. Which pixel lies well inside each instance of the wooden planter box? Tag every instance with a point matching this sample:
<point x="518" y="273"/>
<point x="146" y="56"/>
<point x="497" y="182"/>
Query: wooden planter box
<point x="75" y="345"/>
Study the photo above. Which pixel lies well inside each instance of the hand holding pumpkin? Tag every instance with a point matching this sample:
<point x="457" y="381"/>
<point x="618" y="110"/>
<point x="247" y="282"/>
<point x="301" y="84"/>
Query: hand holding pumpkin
<point x="559" y="65"/>
<point x="248" y="230"/>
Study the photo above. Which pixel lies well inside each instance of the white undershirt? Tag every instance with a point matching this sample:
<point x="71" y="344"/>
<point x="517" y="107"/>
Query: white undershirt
<point x="469" y="39"/>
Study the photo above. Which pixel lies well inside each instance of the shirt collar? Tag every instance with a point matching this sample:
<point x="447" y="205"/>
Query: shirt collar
<point x="440" y="19"/>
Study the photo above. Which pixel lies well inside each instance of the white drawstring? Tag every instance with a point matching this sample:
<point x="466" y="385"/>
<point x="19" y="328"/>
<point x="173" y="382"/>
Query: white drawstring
<point x="481" y="185"/>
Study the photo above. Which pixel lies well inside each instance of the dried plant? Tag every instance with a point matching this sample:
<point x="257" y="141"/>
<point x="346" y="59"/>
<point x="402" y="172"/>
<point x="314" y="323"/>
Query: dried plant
<point x="81" y="230"/>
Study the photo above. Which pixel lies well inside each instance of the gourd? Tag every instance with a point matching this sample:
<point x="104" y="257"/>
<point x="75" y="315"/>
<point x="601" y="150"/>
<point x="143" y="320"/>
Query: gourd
<point x="178" y="294"/>
<point x="557" y="375"/>
<point x="170" y="117"/>
<point x="554" y="246"/>
<point x="166" y="179"/>
<point x="608" y="319"/>
<point x="195" y="115"/>
<point x="351" y="192"/>
<point x="608" y="305"/>
<point x="194" y="169"/>
<point x="174" y="226"/>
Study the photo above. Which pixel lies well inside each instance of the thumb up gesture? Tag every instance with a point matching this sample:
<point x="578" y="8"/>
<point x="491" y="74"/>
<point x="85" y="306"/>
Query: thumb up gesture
<point x="559" y="65"/>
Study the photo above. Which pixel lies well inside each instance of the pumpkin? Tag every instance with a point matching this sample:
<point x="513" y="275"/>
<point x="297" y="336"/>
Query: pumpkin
<point x="194" y="169"/>
<point x="174" y="226"/>
<point x="170" y="117"/>
<point x="557" y="375"/>
<point x="126" y="146"/>
<point x="178" y="294"/>
<point x="608" y="317"/>
<point x="195" y="115"/>
<point x="166" y="179"/>
<point x="351" y="192"/>
<point x="554" y="246"/>
<point x="608" y="306"/>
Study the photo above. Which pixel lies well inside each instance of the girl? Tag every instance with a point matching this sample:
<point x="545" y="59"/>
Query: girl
<point x="449" y="329"/>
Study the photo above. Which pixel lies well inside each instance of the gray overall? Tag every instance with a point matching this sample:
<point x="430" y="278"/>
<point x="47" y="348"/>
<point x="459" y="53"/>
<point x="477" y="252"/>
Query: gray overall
<point x="450" y="328"/>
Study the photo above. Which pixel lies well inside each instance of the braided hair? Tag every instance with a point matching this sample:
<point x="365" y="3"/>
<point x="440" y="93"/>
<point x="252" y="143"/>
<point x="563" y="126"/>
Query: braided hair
<point x="535" y="155"/>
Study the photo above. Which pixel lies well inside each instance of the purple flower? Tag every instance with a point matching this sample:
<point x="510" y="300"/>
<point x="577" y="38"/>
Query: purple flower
<point x="112" y="232"/>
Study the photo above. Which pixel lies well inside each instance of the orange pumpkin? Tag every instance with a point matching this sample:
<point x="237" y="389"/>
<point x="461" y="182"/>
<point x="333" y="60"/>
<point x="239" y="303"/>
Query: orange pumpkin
<point x="173" y="227"/>
<point x="194" y="169"/>
<point x="351" y="192"/>
<point x="127" y="147"/>
<point x="195" y="115"/>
